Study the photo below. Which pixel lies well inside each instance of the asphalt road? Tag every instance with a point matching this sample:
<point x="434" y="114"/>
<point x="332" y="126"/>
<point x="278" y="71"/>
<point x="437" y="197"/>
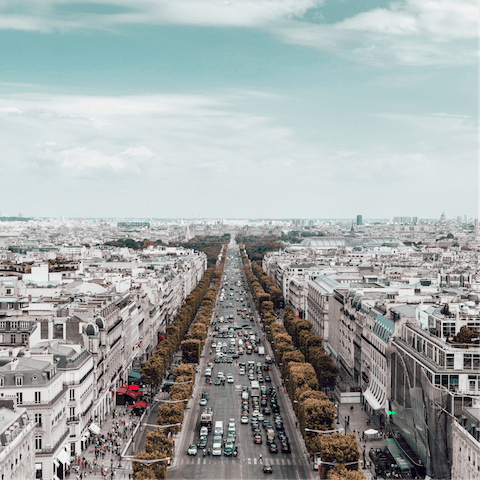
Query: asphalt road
<point x="226" y="403"/>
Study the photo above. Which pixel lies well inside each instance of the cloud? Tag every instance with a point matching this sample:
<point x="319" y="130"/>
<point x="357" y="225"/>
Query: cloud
<point x="138" y="152"/>
<point x="407" y="32"/>
<point x="411" y="32"/>
<point x="65" y="15"/>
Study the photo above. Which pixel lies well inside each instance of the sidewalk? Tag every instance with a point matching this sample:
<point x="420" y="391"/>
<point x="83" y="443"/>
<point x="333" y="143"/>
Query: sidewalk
<point x="358" y="422"/>
<point x="110" y="459"/>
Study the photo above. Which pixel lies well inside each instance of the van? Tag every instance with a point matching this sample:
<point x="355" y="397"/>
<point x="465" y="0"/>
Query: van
<point x="204" y="431"/>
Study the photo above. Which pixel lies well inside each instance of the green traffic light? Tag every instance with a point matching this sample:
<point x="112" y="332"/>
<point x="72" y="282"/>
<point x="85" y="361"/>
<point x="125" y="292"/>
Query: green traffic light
<point x="390" y="412"/>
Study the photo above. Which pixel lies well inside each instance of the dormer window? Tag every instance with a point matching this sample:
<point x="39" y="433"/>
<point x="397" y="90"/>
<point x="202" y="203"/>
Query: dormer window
<point x="9" y="291"/>
<point x="18" y="381"/>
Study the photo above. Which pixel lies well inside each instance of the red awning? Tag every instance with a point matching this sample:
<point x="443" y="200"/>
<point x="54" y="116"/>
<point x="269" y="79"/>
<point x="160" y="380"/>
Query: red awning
<point x="133" y="394"/>
<point x="133" y="387"/>
<point x="122" y="391"/>
<point x="140" y="404"/>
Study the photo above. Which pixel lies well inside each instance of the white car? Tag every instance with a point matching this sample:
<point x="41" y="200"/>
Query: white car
<point x="230" y="379"/>
<point x="241" y="371"/>
<point x="203" y="402"/>
<point x="244" y="419"/>
<point x="192" y="450"/>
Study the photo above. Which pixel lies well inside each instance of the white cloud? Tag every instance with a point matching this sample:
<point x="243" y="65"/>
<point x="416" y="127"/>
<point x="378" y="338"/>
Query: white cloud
<point x="409" y="32"/>
<point x="138" y="152"/>
<point x="61" y="14"/>
<point x="81" y="158"/>
<point x="10" y="110"/>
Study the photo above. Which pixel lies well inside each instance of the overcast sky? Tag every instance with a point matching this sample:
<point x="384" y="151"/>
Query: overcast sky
<point x="239" y="108"/>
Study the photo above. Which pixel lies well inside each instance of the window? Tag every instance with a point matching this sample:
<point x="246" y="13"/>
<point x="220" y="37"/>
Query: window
<point x="14" y="325"/>
<point x="467" y="360"/>
<point x="2" y="324"/>
<point x="13" y="338"/>
<point x="2" y="381"/>
<point x="38" y="443"/>
<point x="24" y="338"/>
<point x="9" y="291"/>
<point x="38" y="397"/>
<point x="450" y="360"/>
<point x="72" y="394"/>
<point x="72" y="411"/>
<point x="24" y="325"/>
<point x="38" y="419"/>
<point x="19" y="398"/>
<point x="18" y="381"/>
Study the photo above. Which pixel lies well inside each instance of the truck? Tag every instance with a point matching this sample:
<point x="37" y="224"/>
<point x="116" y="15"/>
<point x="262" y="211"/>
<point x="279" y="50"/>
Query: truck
<point x="206" y="418"/>
<point x="255" y="389"/>
<point x="218" y="428"/>
<point x="261" y="350"/>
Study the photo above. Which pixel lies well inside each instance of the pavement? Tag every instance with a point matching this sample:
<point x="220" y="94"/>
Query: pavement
<point x="122" y="469"/>
<point x="357" y="419"/>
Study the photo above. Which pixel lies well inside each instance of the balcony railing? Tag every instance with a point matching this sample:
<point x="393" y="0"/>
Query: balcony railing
<point x="73" y="419"/>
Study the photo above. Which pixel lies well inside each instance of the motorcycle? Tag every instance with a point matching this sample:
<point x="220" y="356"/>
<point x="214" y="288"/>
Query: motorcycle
<point x="235" y="452"/>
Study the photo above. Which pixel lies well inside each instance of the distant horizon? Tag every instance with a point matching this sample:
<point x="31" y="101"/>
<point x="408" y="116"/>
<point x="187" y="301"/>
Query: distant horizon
<point x="287" y="219"/>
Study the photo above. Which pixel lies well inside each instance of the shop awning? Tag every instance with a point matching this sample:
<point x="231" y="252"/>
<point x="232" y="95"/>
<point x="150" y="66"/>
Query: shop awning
<point x="94" y="428"/>
<point x="122" y="391"/>
<point x="135" y="374"/>
<point x="370" y="398"/>
<point x="64" y="457"/>
<point x="133" y="393"/>
<point x="140" y="404"/>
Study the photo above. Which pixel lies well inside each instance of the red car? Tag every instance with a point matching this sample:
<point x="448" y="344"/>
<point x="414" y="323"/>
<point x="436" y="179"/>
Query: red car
<point x="257" y="438"/>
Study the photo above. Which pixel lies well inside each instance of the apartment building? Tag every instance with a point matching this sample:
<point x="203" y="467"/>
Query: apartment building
<point x="17" y="443"/>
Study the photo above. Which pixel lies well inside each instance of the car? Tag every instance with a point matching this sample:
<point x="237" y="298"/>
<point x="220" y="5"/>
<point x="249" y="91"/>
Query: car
<point x="286" y="448"/>
<point x="244" y="419"/>
<point x="202" y="442"/>
<point x="228" y="450"/>
<point x="230" y="379"/>
<point x="258" y="438"/>
<point x="218" y="381"/>
<point x="273" y="448"/>
<point x="192" y="450"/>
<point x="267" y="378"/>
<point x="267" y="468"/>
<point x="203" y="402"/>
<point x="267" y="411"/>
<point x="241" y="371"/>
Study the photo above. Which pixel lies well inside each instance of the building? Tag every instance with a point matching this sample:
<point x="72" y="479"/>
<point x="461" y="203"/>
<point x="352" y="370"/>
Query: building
<point x="359" y="220"/>
<point x="37" y="386"/>
<point x="17" y="444"/>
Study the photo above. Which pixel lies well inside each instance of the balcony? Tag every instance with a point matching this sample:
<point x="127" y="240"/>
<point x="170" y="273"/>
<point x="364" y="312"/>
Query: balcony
<point x="73" y="419"/>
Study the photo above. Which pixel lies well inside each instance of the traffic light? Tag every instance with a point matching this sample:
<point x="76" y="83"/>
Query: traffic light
<point x="391" y="412"/>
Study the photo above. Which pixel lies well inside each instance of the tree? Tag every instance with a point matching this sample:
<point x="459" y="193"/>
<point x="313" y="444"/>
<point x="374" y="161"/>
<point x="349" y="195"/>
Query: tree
<point x="465" y="335"/>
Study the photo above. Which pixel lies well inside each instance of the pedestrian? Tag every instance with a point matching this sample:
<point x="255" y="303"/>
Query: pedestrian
<point x="260" y="457"/>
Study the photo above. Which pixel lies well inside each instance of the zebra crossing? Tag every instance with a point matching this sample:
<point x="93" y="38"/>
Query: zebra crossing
<point x="221" y="460"/>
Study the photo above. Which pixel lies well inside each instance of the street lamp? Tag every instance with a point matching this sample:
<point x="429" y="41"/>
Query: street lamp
<point x="324" y="431"/>
<point x="161" y="426"/>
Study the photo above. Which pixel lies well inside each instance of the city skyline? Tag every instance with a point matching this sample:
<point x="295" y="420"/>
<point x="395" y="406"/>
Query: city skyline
<point x="272" y="109"/>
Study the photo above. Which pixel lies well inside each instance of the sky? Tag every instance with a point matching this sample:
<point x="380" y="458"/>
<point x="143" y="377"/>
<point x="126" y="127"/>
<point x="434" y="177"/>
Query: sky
<point x="239" y="108"/>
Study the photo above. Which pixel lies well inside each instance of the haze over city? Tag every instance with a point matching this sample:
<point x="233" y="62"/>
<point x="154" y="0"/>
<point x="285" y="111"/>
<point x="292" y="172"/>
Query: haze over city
<point x="273" y="108"/>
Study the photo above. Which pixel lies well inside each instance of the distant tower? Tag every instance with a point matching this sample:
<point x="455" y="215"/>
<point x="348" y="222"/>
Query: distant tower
<point x="443" y="218"/>
<point x="359" y="220"/>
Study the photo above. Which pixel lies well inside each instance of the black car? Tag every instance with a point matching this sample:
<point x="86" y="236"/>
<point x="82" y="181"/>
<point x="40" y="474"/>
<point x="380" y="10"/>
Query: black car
<point x="273" y="448"/>
<point x="286" y="448"/>
<point x="267" y="411"/>
<point x="267" y="468"/>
